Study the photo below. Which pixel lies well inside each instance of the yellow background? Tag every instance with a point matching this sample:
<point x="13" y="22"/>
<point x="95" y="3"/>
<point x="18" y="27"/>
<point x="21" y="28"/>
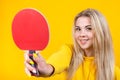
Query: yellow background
<point x="60" y="15"/>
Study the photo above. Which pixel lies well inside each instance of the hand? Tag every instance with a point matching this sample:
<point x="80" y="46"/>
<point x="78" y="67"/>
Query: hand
<point x="43" y="68"/>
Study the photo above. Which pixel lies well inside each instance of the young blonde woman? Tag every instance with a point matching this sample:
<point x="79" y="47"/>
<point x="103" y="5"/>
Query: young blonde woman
<point x="91" y="57"/>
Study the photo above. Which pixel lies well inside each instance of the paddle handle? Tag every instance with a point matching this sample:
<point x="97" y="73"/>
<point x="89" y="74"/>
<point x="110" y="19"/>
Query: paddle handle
<point x="33" y="65"/>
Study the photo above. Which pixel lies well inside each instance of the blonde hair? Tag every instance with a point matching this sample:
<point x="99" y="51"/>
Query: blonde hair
<point x="102" y="45"/>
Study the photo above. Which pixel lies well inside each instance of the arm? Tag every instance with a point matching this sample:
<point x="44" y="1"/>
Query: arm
<point x="61" y="59"/>
<point x="57" y="63"/>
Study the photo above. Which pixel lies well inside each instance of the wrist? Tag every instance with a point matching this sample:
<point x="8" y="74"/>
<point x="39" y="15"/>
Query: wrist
<point x="51" y="69"/>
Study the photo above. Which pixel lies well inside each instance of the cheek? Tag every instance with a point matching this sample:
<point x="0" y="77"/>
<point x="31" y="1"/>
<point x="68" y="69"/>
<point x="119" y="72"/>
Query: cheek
<point x="92" y="39"/>
<point x="91" y="35"/>
<point x="76" y="36"/>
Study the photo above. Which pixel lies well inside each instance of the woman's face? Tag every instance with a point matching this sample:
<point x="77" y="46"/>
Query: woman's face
<point x="84" y="33"/>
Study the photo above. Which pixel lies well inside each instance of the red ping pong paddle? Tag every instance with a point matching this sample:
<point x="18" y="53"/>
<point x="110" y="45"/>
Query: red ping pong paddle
<point x="30" y="31"/>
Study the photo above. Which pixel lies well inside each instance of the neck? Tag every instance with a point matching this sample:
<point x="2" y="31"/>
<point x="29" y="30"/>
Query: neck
<point x="88" y="53"/>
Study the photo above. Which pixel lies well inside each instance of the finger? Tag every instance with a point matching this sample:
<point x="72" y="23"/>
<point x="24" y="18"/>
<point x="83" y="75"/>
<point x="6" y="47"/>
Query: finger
<point x="39" y="55"/>
<point x="37" y="52"/>
<point x="30" y="68"/>
<point x="36" y="58"/>
<point x="27" y="72"/>
<point x="26" y="56"/>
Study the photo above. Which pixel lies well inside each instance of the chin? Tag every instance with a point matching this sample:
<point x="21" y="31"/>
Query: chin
<point x="84" y="47"/>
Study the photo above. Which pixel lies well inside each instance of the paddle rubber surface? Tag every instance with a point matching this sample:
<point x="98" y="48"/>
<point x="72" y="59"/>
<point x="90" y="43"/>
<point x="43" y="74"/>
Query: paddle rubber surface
<point x="30" y="30"/>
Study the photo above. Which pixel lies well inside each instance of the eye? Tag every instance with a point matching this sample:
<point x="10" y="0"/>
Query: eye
<point x="89" y="28"/>
<point x="77" y="29"/>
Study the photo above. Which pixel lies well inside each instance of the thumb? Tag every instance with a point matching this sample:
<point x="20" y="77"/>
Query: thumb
<point x="38" y="59"/>
<point x="35" y="57"/>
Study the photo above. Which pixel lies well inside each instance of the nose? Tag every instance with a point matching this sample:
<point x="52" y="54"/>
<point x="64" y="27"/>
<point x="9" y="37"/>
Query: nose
<point x="82" y="33"/>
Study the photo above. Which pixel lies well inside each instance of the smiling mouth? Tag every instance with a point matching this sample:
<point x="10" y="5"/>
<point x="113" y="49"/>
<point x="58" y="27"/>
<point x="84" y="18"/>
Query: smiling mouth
<point x="83" y="41"/>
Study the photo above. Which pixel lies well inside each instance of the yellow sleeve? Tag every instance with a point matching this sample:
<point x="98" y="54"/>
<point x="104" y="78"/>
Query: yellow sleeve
<point x="61" y="59"/>
<point x="117" y="73"/>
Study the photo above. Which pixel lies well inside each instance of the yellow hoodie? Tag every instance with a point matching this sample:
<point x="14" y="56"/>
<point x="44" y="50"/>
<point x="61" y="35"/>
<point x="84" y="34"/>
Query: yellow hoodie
<point x="86" y="71"/>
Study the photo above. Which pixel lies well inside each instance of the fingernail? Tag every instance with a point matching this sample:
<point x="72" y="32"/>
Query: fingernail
<point x="34" y="71"/>
<point x="35" y="55"/>
<point x="31" y="62"/>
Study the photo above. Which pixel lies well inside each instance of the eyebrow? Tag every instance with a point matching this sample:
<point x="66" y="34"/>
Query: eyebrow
<point x="85" y="26"/>
<point x="88" y="25"/>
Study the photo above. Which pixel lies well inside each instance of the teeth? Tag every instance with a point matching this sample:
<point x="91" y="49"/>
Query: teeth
<point x="83" y="41"/>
